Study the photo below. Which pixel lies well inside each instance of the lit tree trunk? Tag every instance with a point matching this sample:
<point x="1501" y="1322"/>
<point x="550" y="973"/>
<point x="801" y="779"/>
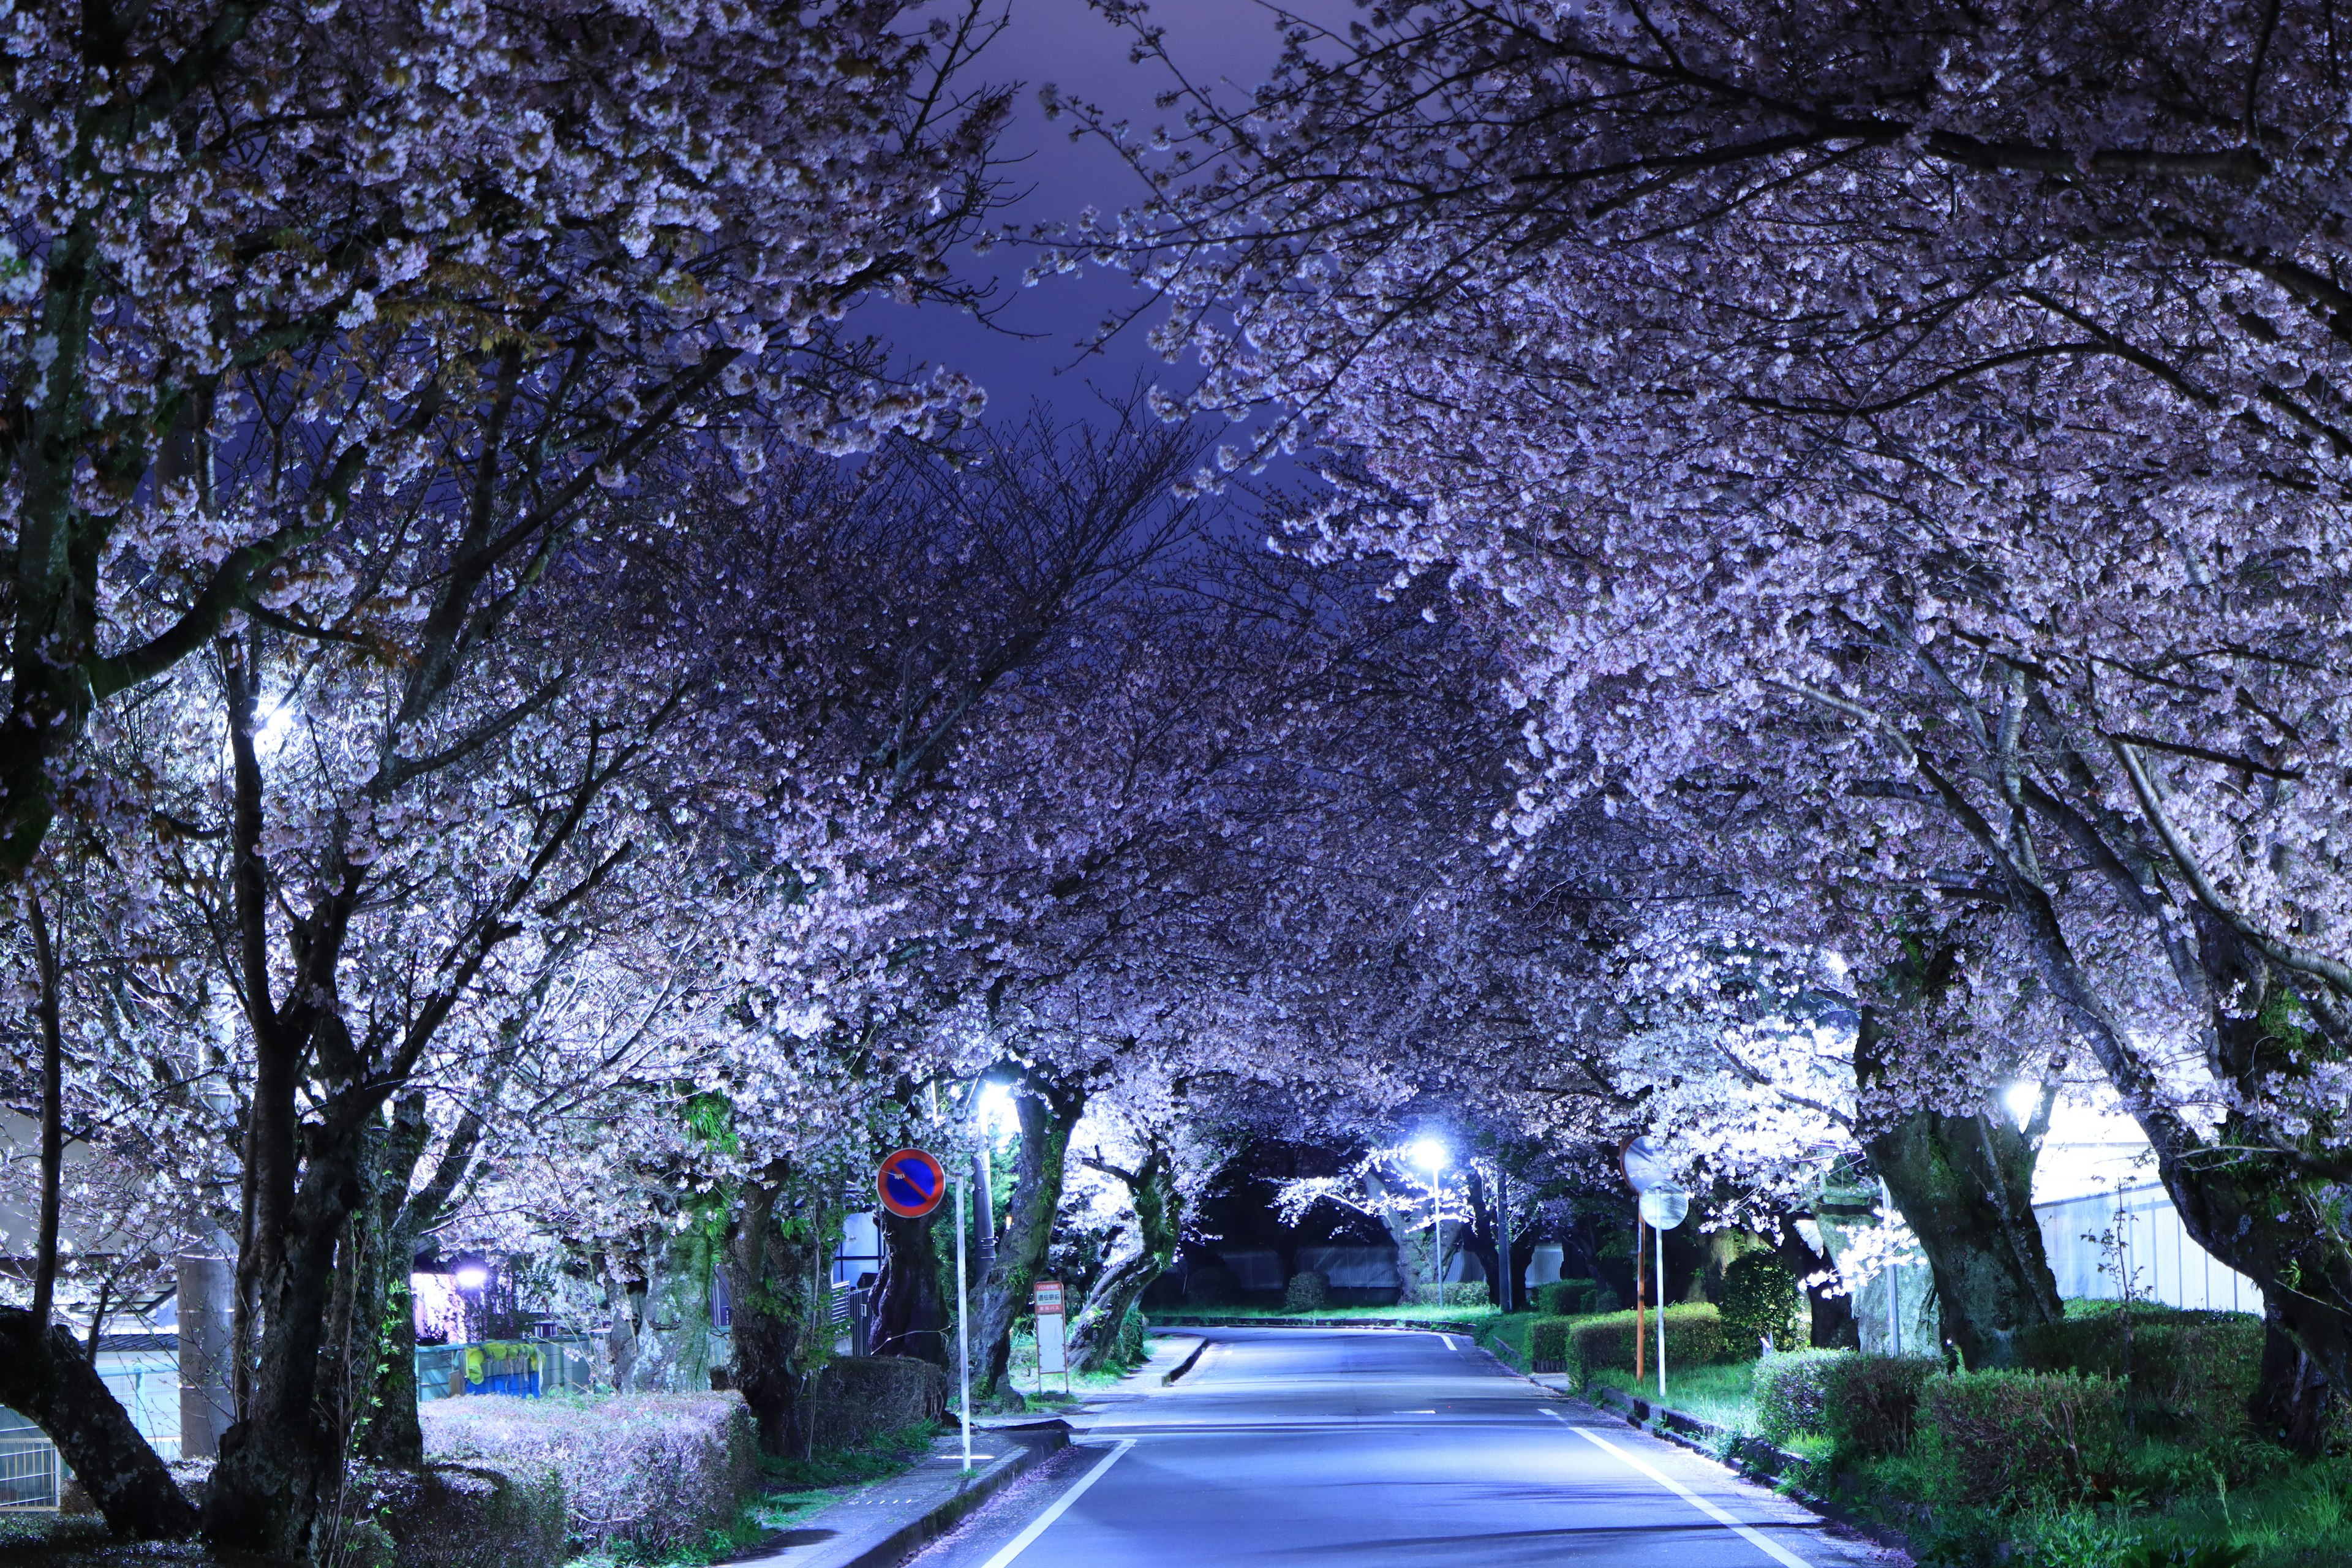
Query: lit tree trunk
<point x="1158" y="1223"/>
<point x="1049" y="1113"/>
<point x="1832" y="1314"/>
<point x="1964" y="1185"/>
<point x="764" y="1280"/>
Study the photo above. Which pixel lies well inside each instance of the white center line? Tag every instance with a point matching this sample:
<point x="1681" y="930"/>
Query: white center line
<point x="1771" y="1549"/>
<point x="1020" y="1543"/>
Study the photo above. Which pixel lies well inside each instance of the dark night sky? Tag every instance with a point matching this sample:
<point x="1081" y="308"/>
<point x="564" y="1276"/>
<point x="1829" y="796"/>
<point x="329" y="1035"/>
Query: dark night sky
<point x="1068" y="44"/>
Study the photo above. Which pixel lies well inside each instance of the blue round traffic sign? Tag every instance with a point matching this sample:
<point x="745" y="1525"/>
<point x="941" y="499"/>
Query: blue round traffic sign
<point x="911" y="1184"/>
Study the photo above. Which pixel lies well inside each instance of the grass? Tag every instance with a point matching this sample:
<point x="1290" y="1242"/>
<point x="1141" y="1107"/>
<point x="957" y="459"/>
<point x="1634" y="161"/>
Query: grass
<point x="1722" y="1395"/>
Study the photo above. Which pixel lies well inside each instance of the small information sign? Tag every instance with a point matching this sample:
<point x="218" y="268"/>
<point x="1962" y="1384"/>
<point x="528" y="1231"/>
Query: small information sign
<point x="1052" y="1357"/>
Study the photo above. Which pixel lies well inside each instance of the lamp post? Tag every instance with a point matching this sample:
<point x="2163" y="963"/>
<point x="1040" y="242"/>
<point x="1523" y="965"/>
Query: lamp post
<point x="1432" y="1154"/>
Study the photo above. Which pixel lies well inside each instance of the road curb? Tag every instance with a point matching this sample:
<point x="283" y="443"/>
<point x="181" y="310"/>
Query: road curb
<point x="1181" y="1367"/>
<point x="1751" y="1456"/>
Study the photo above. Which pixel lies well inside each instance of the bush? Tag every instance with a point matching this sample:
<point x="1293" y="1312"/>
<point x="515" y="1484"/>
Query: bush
<point x="648" y="1472"/>
<point x="509" y="1513"/>
<point x="856" y="1399"/>
<point x="1547" y="1343"/>
<point x="1792" y="1394"/>
<point x="1309" y="1290"/>
<point x="1566" y="1298"/>
<point x="1760" y="1299"/>
<point x="1696" y="1336"/>
<point x="2009" y="1439"/>
<point x="2191" y="1371"/>
<point x="1872" y="1402"/>
<point x="1455" y="1294"/>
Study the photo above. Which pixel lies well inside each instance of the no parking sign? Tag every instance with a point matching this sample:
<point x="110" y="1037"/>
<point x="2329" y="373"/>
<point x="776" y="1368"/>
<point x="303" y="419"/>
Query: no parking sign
<point x="911" y="1183"/>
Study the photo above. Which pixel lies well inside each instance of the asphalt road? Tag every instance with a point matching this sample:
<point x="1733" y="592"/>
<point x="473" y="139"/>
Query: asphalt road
<point x="1379" y="1449"/>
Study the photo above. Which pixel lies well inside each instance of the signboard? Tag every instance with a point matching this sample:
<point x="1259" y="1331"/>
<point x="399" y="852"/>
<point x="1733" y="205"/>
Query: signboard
<point x="1664" y="1206"/>
<point x="911" y="1184"/>
<point x="1051" y="1355"/>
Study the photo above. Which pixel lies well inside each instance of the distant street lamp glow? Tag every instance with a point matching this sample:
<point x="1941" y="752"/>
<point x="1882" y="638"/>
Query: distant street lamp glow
<point x="472" y="1275"/>
<point x="2022" y="1098"/>
<point x="1432" y="1154"/>
<point x="1429" y="1152"/>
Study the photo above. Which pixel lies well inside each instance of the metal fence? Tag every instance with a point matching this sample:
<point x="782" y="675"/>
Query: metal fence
<point x="2151" y="1248"/>
<point x="30" y="1476"/>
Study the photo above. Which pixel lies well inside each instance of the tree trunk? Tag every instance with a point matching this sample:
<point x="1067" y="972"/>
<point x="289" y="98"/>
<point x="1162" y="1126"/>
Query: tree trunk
<point x="279" y="1455"/>
<point x="1159" y="1222"/>
<point x="910" y="1309"/>
<point x="45" y="1377"/>
<point x="1964" y="1185"/>
<point x="1479" y="1239"/>
<point x="767" y="1333"/>
<point x="2293" y="1402"/>
<point x="1049" y="1114"/>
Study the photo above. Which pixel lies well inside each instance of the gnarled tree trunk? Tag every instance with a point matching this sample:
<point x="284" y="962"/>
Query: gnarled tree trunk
<point x="48" y="1379"/>
<point x="1049" y="1113"/>
<point x="1159" y="1222"/>
<point x="910" y="1309"/>
<point x="762" y="1281"/>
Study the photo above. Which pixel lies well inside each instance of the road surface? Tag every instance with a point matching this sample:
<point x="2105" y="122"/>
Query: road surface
<point x="1377" y="1449"/>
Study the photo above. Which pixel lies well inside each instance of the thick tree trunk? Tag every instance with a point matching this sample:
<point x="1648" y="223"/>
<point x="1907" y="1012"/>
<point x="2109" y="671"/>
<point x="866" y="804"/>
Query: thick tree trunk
<point x="1479" y="1239"/>
<point x="281" y="1454"/>
<point x="46" y="1377"/>
<point x="1963" y="1184"/>
<point x="910" y="1309"/>
<point x="767" y="1333"/>
<point x="1159" y="1222"/>
<point x="1049" y="1114"/>
<point x="2293" y="1402"/>
<point x="1965" y="1187"/>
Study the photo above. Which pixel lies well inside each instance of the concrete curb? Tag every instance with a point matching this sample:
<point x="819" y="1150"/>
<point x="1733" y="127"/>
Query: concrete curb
<point x="1181" y="1367"/>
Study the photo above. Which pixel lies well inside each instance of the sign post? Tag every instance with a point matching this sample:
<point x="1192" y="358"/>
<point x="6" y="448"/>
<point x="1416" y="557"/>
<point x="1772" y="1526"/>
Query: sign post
<point x="1052" y="1353"/>
<point x="1663" y="1207"/>
<point x="911" y="1184"/>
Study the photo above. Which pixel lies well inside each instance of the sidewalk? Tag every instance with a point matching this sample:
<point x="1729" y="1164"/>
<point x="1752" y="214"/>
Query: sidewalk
<point x="882" y="1523"/>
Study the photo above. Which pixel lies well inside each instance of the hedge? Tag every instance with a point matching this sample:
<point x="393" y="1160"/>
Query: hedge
<point x="650" y="1472"/>
<point x="1696" y="1336"/>
<point x="1574" y="1297"/>
<point x="1309" y="1290"/>
<point x="2188" y="1370"/>
<point x="856" y="1399"/>
<point x="2020" y="1438"/>
<point x="1866" y="1405"/>
<point x="508" y="1513"/>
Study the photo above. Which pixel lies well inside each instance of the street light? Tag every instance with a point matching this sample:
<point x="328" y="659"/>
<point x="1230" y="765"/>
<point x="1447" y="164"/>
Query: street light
<point x="1432" y="1154"/>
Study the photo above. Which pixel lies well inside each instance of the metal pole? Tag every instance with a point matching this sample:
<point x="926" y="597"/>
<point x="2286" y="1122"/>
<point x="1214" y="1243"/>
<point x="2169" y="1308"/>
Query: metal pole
<point x="963" y="1335"/>
<point x="1437" y="1227"/>
<point x="1660" y="1232"/>
<point x="1640" y="1300"/>
<point x="1502" y="1240"/>
<point x="1894" y="1280"/>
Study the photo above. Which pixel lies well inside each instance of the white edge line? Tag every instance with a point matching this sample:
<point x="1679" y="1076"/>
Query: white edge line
<point x="1772" y="1549"/>
<point x="1020" y="1542"/>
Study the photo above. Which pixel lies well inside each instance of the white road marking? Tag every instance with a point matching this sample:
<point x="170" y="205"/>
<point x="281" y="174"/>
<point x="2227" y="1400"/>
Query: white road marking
<point x="1020" y="1543"/>
<point x="1771" y="1549"/>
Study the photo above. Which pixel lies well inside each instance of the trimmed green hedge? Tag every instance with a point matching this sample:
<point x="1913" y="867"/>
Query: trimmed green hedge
<point x="1696" y="1336"/>
<point x="1574" y="1297"/>
<point x="1866" y="1405"/>
<point x="2186" y="1371"/>
<point x="2012" y="1437"/>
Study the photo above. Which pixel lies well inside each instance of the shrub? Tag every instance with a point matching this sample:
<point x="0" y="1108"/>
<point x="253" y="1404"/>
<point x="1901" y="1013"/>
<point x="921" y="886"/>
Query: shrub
<point x="1872" y="1402"/>
<point x="1792" y="1394"/>
<point x="1695" y="1337"/>
<point x="1547" y="1343"/>
<point x="2012" y="1437"/>
<point x="1309" y="1290"/>
<point x="2194" y="1371"/>
<point x="1454" y="1293"/>
<point x="1760" y="1299"/>
<point x="1565" y="1297"/>
<point x="855" y="1399"/>
<point x="508" y="1513"/>
<point x="650" y="1472"/>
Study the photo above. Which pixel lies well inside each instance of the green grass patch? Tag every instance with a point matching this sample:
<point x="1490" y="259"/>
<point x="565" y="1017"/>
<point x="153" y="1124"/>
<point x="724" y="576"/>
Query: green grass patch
<point x="1511" y="1330"/>
<point x="1725" y="1395"/>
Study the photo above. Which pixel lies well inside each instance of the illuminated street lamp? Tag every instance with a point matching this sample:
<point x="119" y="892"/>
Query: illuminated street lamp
<point x="1432" y="1154"/>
